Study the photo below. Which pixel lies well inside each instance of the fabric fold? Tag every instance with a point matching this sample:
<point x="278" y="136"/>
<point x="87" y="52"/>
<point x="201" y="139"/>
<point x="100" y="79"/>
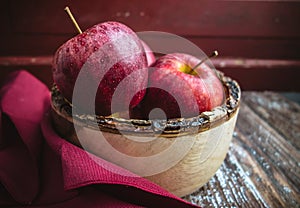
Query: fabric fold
<point x="40" y="169"/>
<point x="21" y="139"/>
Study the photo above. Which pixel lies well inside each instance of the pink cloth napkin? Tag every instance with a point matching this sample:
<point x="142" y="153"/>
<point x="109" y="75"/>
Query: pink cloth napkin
<point x="40" y="169"/>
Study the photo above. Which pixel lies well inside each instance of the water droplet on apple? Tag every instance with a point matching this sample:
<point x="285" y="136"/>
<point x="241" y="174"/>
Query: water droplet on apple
<point x="93" y="31"/>
<point x="95" y="48"/>
<point x="82" y="43"/>
<point x="116" y="29"/>
<point x="103" y="27"/>
<point x="102" y="31"/>
<point x="71" y="65"/>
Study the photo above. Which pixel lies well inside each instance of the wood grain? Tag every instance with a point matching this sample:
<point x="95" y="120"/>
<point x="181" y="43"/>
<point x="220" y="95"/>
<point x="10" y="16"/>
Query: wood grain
<point x="249" y="29"/>
<point x="241" y="69"/>
<point x="262" y="166"/>
<point x="280" y="113"/>
<point x="203" y="18"/>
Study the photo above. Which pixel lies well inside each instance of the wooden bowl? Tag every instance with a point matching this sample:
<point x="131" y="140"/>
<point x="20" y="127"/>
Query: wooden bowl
<point x="180" y="155"/>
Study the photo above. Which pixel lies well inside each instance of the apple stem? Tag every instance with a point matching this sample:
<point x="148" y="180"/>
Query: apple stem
<point x="73" y="19"/>
<point x="214" y="54"/>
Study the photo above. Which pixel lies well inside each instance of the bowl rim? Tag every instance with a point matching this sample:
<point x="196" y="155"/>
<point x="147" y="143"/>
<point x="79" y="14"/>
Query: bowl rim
<point x="158" y="127"/>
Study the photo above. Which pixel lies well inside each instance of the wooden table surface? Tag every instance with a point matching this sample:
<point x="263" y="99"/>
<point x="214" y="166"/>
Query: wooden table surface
<point x="262" y="167"/>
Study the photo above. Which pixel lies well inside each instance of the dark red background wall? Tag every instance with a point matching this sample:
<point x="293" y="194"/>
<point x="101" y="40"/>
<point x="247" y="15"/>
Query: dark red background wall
<point x="258" y="41"/>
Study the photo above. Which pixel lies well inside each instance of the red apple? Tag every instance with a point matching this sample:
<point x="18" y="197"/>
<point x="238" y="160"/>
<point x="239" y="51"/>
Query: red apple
<point x="178" y="89"/>
<point x="111" y="51"/>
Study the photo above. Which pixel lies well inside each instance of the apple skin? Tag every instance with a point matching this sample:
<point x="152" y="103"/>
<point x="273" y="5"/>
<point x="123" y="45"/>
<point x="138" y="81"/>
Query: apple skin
<point x="73" y="54"/>
<point x="177" y="93"/>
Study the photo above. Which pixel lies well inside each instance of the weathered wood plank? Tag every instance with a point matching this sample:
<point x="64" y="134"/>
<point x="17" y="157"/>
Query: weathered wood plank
<point x="241" y="69"/>
<point x="230" y="187"/>
<point x="198" y="18"/>
<point x="279" y="112"/>
<point x="250" y="29"/>
<point x="262" y="167"/>
<point x="276" y="169"/>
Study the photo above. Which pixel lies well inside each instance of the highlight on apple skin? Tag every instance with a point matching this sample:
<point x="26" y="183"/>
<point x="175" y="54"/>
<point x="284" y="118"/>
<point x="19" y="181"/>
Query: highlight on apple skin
<point x="178" y="89"/>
